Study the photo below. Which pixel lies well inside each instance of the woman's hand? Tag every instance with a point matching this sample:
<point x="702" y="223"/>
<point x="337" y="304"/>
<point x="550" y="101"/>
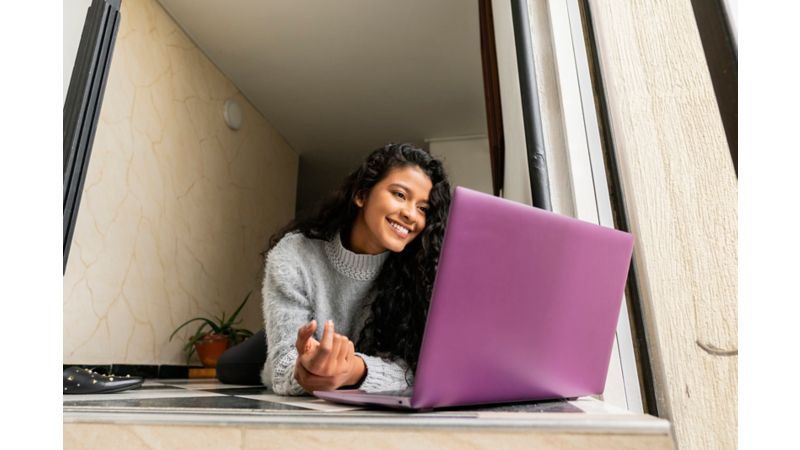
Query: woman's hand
<point x="326" y="365"/>
<point x="305" y="339"/>
<point x="328" y="358"/>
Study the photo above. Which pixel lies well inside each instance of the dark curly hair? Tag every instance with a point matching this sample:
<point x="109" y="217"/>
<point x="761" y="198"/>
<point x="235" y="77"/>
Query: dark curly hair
<point x="403" y="287"/>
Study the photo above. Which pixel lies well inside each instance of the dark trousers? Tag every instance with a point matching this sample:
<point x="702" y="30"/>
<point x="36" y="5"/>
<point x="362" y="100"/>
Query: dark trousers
<point x="242" y="363"/>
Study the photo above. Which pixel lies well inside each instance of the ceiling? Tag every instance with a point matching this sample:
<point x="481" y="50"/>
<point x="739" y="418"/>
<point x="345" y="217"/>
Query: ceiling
<point x="340" y="78"/>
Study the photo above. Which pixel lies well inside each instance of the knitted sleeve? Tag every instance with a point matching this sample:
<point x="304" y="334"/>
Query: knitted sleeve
<point x="385" y="375"/>
<point x="286" y="308"/>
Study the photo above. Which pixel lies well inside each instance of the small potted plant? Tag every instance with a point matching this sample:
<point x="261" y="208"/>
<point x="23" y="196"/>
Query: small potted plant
<point x="214" y="336"/>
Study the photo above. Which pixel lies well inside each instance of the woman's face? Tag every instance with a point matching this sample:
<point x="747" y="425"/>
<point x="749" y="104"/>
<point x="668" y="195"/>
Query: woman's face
<point x="393" y="213"/>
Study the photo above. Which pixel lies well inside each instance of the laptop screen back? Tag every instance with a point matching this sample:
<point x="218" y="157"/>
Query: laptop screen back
<point x="524" y="306"/>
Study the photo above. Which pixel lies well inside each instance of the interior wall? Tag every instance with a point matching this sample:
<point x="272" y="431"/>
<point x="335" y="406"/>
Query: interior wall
<point x="176" y="206"/>
<point x="466" y="161"/>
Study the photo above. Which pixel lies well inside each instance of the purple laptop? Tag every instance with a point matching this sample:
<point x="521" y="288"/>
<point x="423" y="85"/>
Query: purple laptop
<point x="524" y="308"/>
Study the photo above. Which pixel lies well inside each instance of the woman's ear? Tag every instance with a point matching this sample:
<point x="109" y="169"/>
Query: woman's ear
<point x="359" y="199"/>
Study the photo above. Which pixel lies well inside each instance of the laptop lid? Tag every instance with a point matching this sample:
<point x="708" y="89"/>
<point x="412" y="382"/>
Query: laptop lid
<point x="524" y="307"/>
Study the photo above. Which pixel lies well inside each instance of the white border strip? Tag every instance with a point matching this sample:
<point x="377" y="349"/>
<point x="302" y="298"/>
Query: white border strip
<point x="551" y="422"/>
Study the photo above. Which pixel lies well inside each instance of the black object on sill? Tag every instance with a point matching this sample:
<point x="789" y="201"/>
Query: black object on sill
<point x="78" y="380"/>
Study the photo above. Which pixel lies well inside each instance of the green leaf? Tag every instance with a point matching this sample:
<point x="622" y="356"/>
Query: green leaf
<point x="188" y="322"/>
<point x="220" y="325"/>
<point x="236" y="313"/>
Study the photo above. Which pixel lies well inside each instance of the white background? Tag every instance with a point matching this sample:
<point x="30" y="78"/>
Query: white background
<point x="31" y="189"/>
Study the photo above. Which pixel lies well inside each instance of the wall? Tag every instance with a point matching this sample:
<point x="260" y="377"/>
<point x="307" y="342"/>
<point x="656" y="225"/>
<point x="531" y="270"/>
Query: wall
<point x="176" y="206"/>
<point x="466" y="161"/>
<point x="681" y="192"/>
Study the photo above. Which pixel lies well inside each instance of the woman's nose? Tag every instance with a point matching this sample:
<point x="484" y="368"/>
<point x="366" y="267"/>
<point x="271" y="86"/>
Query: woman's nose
<point x="408" y="213"/>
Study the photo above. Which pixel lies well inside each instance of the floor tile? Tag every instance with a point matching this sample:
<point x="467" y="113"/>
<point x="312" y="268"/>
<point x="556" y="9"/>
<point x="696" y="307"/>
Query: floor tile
<point x="139" y="394"/>
<point x="212" y="402"/>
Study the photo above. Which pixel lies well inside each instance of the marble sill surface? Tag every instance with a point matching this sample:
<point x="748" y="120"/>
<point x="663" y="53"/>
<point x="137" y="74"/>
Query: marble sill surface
<point x="190" y="402"/>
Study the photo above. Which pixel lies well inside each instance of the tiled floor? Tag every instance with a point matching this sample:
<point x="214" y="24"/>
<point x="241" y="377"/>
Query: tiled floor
<point x="208" y="396"/>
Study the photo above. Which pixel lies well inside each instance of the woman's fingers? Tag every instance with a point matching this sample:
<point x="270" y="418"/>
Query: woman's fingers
<point x="308" y="380"/>
<point x="351" y="350"/>
<point x="312" y="382"/>
<point x="345" y="350"/>
<point x="341" y="350"/>
<point x="334" y="361"/>
<point x="303" y="334"/>
<point x="326" y="372"/>
<point x="319" y="360"/>
<point x="327" y="338"/>
<point x="328" y="365"/>
<point x="329" y="357"/>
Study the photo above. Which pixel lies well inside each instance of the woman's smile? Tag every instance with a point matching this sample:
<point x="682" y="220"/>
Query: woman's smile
<point x="401" y="230"/>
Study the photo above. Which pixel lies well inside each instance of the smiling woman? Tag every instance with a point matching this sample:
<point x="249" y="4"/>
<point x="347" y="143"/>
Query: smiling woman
<point x="392" y="214"/>
<point x="363" y="265"/>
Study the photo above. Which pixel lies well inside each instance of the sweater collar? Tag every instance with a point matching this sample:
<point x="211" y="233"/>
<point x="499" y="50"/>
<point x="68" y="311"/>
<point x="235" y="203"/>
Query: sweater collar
<point x="354" y="265"/>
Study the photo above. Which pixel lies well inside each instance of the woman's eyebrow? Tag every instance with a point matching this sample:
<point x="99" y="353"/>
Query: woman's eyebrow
<point x="401" y="186"/>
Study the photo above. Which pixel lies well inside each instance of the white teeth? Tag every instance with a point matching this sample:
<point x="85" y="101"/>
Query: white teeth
<point x="399" y="228"/>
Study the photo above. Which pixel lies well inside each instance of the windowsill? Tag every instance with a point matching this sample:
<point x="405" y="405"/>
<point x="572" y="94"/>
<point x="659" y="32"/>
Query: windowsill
<point x="209" y="403"/>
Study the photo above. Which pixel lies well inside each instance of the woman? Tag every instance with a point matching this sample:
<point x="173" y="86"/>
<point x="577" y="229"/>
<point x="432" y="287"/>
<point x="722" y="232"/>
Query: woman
<point x="346" y="291"/>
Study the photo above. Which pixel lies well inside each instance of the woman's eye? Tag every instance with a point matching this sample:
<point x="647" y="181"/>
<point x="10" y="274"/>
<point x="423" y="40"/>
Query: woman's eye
<point x="400" y="194"/>
<point x="423" y="209"/>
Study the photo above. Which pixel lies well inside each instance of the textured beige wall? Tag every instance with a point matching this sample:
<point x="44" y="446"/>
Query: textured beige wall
<point x="466" y="161"/>
<point x="681" y="191"/>
<point x="176" y="207"/>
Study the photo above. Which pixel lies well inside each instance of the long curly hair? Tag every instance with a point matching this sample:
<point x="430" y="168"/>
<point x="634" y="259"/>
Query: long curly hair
<point x="403" y="288"/>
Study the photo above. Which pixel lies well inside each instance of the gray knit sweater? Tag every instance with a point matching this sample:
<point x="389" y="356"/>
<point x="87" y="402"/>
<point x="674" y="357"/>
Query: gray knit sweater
<point x="314" y="279"/>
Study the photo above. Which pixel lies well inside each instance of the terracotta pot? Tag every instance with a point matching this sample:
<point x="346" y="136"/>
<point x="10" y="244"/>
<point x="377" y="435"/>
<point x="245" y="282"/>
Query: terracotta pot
<point x="210" y="348"/>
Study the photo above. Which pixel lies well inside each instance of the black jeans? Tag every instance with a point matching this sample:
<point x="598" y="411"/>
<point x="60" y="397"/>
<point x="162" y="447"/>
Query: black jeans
<point x="242" y="363"/>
